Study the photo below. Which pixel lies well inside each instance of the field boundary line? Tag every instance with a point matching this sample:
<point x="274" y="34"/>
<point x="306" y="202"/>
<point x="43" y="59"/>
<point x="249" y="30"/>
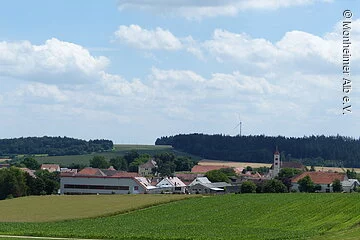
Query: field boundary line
<point x="52" y="238"/>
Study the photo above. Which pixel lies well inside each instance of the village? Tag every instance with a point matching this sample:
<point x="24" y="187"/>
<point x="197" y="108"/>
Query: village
<point x="110" y="181"/>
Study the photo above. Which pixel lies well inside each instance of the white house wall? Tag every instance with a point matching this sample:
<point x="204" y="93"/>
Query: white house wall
<point x="133" y="186"/>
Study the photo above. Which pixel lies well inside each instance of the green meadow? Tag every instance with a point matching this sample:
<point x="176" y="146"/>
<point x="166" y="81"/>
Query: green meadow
<point x="65" y="207"/>
<point x="233" y="216"/>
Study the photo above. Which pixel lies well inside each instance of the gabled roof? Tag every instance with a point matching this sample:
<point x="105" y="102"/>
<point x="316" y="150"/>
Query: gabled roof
<point x="109" y="172"/>
<point x="145" y="182"/>
<point x="350" y="182"/>
<point x="149" y="164"/>
<point x="320" y="177"/>
<point x="204" y="169"/>
<point x="125" y="174"/>
<point x="91" y="171"/>
<point x="200" y="180"/>
<point x="95" y="172"/>
<point x="171" y="182"/>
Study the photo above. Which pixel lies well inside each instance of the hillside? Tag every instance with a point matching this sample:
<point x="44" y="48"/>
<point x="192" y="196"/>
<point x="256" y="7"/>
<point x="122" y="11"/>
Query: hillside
<point x="52" y="146"/>
<point x="330" y="151"/>
<point x="118" y="150"/>
<point x="240" y="216"/>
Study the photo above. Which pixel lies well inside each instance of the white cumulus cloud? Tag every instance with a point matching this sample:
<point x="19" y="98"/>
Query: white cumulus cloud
<point x="54" y="60"/>
<point x="147" y="39"/>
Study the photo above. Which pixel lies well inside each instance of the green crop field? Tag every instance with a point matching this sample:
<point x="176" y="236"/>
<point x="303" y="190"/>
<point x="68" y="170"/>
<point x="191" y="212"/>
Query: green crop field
<point x="62" y="207"/>
<point x="240" y="216"/>
<point x="119" y="150"/>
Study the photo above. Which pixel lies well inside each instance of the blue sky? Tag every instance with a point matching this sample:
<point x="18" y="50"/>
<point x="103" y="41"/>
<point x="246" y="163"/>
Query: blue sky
<point x="135" y="70"/>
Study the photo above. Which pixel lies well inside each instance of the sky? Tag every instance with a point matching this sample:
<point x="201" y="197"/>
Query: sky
<point x="135" y="70"/>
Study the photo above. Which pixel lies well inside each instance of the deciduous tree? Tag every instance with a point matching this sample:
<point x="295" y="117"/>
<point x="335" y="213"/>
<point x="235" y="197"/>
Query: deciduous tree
<point x="306" y="184"/>
<point x="99" y="162"/>
<point x="336" y="185"/>
<point x="248" y="187"/>
<point x="274" y="186"/>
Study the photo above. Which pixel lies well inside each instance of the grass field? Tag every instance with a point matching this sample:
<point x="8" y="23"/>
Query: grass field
<point x="64" y="207"/>
<point x="241" y="216"/>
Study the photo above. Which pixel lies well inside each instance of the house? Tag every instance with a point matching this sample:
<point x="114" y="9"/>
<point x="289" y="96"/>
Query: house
<point x="171" y="184"/>
<point x="50" y="167"/>
<point x="323" y="179"/>
<point x="202" y="185"/>
<point x="101" y="181"/>
<point x="146" y="169"/>
<point x="350" y="185"/>
<point x="199" y="180"/>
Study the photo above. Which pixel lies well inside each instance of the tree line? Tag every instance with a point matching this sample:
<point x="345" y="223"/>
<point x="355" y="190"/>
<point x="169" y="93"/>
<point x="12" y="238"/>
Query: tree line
<point x="331" y="151"/>
<point x="15" y="182"/>
<point x="53" y="146"/>
<point x="167" y="162"/>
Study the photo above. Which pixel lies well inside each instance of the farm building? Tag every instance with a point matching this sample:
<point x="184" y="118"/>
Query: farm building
<point x="171" y="184"/>
<point x="324" y="179"/>
<point x="350" y="185"/>
<point x="101" y="181"/>
<point x="203" y="185"/>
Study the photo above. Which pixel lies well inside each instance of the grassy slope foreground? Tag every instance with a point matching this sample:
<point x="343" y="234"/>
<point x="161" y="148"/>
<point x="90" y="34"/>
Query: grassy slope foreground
<point x="64" y="207"/>
<point x="262" y="216"/>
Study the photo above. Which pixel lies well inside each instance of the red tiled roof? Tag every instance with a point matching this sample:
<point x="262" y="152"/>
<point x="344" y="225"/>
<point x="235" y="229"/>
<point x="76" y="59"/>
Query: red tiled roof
<point x="204" y="169"/>
<point x="95" y="172"/>
<point x="91" y="171"/>
<point x="320" y="177"/>
<point x="126" y="174"/>
<point x="149" y="164"/>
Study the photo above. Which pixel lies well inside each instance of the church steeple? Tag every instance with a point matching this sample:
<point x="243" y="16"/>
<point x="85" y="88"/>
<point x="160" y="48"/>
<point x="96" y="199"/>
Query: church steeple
<point x="277" y="163"/>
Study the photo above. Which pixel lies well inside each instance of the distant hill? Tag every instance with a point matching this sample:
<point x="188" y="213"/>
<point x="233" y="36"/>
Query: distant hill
<point x="52" y="146"/>
<point x="332" y="151"/>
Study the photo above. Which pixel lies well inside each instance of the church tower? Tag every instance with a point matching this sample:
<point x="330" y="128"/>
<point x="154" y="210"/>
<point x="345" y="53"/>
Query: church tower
<point x="277" y="163"/>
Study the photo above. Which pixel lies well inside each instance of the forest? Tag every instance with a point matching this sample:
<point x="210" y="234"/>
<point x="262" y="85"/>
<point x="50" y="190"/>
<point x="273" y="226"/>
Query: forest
<point x="331" y="151"/>
<point x="53" y="146"/>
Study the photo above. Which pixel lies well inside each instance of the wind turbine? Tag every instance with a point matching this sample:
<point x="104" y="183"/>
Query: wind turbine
<point x="239" y="125"/>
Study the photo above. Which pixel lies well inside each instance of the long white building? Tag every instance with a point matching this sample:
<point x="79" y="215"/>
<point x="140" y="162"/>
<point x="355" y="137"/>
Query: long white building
<point x="96" y="181"/>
